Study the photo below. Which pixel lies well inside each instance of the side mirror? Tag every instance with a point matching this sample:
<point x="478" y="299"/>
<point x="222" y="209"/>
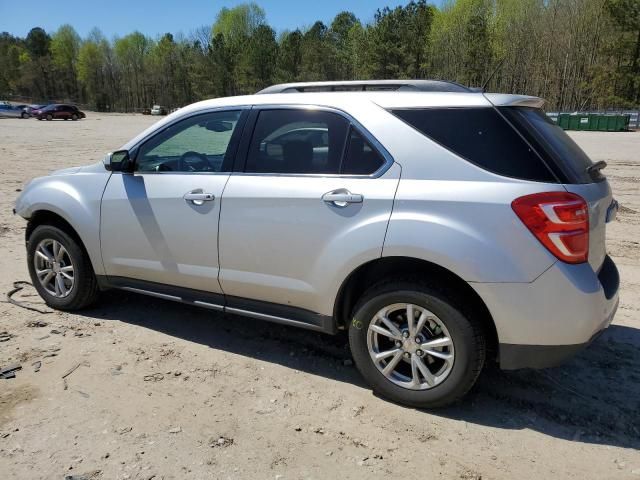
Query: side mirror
<point x="117" y="161"/>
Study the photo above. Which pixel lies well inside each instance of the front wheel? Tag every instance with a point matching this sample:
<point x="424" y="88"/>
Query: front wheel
<point x="49" y="117"/>
<point x="413" y="345"/>
<point x="74" y="117"/>
<point x="60" y="270"/>
<point x="24" y="115"/>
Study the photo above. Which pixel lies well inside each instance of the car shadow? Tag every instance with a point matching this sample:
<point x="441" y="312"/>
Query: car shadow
<point x="593" y="398"/>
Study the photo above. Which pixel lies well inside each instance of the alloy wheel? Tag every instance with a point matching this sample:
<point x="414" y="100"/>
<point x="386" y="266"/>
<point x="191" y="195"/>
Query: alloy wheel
<point x="54" y="268"/>
<point x="410" y="346"/>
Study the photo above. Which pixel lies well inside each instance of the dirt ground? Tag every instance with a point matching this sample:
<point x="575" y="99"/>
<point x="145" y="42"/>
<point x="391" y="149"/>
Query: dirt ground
<point x="162" y="390"/>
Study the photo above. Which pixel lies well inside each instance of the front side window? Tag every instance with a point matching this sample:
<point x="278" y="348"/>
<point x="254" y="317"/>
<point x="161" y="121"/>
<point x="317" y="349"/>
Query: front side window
<point x="297" y="141"/>
<point x="196" y="144"/>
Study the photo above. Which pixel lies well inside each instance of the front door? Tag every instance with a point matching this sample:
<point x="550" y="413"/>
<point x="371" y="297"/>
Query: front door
<point x="160" y="223"/>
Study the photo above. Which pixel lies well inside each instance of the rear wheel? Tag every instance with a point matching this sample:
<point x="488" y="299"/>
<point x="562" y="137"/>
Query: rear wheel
<point x="49" y="117"/>
<point x="60" y="270"/>
<point x="413" y="345"/>
<point x="24" y="115"/>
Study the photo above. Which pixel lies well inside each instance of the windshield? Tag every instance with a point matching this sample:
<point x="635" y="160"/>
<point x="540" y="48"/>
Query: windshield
<point x="558" y="150"/>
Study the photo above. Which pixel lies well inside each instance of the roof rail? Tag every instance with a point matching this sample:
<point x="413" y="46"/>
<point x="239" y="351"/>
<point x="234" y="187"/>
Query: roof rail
<point x="369" y="85"/>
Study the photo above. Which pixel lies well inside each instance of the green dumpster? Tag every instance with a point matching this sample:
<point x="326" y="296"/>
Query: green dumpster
<point x="595" y="122"/>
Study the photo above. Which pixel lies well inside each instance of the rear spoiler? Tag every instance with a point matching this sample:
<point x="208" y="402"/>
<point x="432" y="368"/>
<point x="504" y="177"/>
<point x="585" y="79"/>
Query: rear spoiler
<point x="507" y="100"/>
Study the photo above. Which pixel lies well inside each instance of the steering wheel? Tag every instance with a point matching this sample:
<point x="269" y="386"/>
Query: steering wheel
<point x="193" y="162"/>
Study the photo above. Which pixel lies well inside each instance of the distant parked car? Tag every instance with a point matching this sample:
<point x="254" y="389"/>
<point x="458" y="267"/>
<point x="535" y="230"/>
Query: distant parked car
<point x="146" y="111"/>
<point x="13" y="111"/>
<point x="35" y="109"/>
<point x="158" y="110"/>
<point x="32" y="110"/>
<point x="60" y="111"/>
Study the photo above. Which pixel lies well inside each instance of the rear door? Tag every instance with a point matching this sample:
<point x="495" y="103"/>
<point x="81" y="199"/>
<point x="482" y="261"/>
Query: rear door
<point x="312" y="201"/>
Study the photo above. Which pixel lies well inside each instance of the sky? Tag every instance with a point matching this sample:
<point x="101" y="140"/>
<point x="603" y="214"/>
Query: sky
<point x="155" y="17"/>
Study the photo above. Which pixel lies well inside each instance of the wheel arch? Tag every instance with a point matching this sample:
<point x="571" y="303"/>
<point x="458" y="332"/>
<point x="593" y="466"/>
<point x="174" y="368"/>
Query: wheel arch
<point x="367" y="274"/>
<point x="47" y="217"/>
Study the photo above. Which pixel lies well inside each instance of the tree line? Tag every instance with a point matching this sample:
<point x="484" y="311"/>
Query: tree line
<point x="577" y="54"/>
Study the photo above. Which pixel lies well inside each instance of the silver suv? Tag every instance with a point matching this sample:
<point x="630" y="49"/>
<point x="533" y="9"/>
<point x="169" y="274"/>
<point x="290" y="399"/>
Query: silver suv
<point x="440" y="226"/>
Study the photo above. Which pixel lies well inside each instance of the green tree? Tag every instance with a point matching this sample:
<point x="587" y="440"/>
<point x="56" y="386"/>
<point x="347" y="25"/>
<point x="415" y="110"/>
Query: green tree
<point x="258" y="64"/>
<point x="65" y="45"/>
<point x="232" y="32"/>
<point x="577" y="54"/>
<point x="36" y="67"/>
<point x="387" y="54"/>
<point x="340" y="32"/>
<point x="626" y="15"/>
<point x="289" y="60"/>
<point x="11" y="48"/>
<point x="317" y="54"/>
<point x="132" y="58"/>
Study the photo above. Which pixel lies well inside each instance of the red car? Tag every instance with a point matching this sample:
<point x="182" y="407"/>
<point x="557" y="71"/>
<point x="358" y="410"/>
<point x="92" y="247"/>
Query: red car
<point x="59" y="111"/>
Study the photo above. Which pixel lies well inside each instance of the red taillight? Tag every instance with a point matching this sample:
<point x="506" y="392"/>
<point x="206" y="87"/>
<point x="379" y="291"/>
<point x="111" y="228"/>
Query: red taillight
<point x="559" y="220"/>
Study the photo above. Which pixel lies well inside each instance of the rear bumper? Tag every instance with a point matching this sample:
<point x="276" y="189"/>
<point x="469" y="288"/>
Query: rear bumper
<point x="543" y="323"/>
<point x="514" y="357"/>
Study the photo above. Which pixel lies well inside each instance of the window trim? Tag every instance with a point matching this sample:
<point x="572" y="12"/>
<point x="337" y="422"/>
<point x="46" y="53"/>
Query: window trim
<point x="233" y="142"/>
<point x="243" y="151"/>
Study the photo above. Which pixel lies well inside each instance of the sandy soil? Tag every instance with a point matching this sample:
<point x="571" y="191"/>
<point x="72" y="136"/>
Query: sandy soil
<point x="166" y="391"/>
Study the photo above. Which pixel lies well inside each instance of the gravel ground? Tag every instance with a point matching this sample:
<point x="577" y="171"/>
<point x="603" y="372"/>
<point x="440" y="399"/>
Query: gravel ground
<point x="160" y="390"/>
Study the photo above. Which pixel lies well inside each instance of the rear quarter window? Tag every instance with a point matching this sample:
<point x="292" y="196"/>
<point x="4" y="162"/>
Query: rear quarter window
<point x="553" y="144"/>
<point x="481" y="136"/>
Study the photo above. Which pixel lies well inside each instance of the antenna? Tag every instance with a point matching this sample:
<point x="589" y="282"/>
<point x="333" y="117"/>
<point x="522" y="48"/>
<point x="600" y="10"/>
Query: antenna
<point x="495" y="70"/>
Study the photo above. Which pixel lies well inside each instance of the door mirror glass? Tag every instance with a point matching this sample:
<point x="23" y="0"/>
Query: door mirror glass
<point x="117" y="161"/>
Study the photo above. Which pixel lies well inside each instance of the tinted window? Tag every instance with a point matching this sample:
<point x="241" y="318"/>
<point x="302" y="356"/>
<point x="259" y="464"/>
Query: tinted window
<point x="297" y="141"/>
<point x="360" y="158"/>
<point x="196" y="144"/>
<point x="558" y="149"/>
<point x="481" y="136"/>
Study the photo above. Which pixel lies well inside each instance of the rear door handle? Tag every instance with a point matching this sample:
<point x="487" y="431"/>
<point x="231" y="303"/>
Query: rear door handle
<point x="198" y="197"/>
<point x="342" y="198"/>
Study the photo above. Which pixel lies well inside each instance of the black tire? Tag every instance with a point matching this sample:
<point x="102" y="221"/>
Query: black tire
<point x="467" y="336"/>
<point x="49" y="117"/>
<point x="74" y="117"/>
<point x="85" y="288"/>
<point x="24" y="115"/>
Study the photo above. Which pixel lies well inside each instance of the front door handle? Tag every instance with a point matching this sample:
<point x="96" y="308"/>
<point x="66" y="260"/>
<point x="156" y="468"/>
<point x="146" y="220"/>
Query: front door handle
<point x="198" y="197"/>
<point x="341" y="198"/>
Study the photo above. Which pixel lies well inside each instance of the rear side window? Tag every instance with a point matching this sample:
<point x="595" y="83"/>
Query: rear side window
<point x="297" y="141"/>
<point x="360" y="157"/>
<point x="481" y="136"/>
